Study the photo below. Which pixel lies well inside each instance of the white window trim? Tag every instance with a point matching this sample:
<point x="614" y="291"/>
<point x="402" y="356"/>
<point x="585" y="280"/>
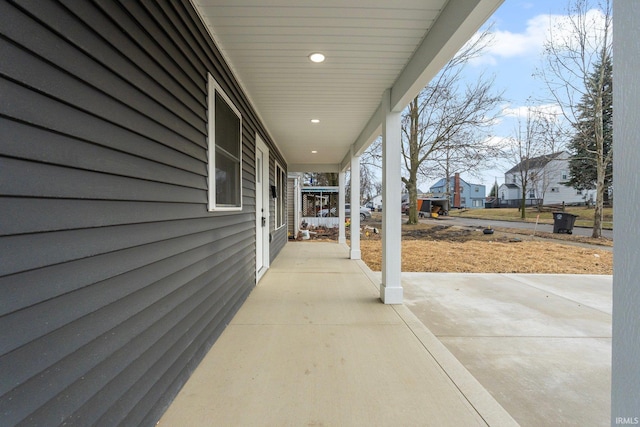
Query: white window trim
<point x="212" y="88"/>
<point x="281" y="193"/>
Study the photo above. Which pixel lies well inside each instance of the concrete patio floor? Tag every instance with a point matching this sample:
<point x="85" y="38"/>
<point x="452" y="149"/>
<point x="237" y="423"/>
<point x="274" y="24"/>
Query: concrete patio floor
<point x="540" y="344"/>
<point x="313" y="345"/>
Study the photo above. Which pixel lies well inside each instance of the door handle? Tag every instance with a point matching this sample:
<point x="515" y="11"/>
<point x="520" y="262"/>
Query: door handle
<point x="264" y="221"/>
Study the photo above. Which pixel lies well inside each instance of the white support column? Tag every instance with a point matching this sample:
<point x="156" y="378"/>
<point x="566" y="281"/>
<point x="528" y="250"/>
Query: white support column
<point x="391" y="286"/>
<point x="341" y="218"/>
<point x="355" y="206"/>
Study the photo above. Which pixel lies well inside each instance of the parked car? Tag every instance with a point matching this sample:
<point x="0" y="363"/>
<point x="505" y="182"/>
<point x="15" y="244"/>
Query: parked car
<point x="364" y="212"/>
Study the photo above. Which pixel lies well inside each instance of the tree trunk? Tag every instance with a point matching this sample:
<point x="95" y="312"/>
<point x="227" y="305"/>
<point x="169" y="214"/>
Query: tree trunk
<point x="600" y="162"/>
<point x="599" y="210"/>
<point x="413" y="196"/>
<point x="523" y="202"/>
<point x="414" y="153"/>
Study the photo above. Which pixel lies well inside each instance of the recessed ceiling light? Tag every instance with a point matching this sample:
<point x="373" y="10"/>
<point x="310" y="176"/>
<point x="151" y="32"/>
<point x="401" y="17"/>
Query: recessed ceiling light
<point x="316" y="57"/>
<point x="314" y="152"/>
<point x="315" y="121"/>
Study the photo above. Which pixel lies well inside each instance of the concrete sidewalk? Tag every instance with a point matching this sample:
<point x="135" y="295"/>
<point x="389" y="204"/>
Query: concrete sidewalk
<point x="540" y="344"/>
<point x="313" y="345"/>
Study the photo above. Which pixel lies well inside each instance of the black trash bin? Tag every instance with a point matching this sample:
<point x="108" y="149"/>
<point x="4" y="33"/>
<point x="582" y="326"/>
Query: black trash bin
<point x="563" y="222"/>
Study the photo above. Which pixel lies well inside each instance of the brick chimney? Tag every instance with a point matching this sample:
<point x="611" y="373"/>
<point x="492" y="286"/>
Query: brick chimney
<point x="456" y="191"/>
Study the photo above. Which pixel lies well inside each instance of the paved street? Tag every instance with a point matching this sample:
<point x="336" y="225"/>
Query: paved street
<point x="472" y="222"/>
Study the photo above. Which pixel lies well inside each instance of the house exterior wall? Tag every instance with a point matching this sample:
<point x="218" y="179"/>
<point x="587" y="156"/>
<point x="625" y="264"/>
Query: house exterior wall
<point x="469" y="197"/>
<point x="277" y="235"/>
<point x="508" y="193"/>
<point x="554" y="191"/>
<point x="474" y="195"/>
<point x="115" y="279"/>
<point x="547" y="184"/>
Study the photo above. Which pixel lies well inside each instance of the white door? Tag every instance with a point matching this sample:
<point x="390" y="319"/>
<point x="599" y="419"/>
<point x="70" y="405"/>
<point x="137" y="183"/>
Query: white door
<point x="262" y="208"/>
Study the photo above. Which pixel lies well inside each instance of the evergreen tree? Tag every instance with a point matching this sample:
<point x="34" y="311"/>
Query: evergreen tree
<point x="577" y="58"/>
<point x="582" y="165"/>
<point x="494" y="190"/>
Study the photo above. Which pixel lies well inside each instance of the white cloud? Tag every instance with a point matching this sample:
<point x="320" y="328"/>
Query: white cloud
<point x="507" y="44"/>
<point x="497" y="141"/>
<point x="553" y="111"/>
<point x="530" y="42"/>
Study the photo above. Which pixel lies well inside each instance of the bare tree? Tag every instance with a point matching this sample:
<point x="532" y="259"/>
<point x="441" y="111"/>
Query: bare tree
<point x="573" y="71"/>
<point x="314" y="179"/>
<point x="553" y="138"/>
<point x="370" y="170"/>
<point x="467" y="153"/>
<point x="530" y="150"/>
<point x="444" y="114"/>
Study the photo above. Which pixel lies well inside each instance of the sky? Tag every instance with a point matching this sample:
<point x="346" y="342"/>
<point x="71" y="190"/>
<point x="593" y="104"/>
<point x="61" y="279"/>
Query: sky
<point x="520" y="29"/>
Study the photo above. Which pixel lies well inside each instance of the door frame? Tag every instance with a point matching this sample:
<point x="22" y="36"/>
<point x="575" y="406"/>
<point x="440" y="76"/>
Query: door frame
<point x="262" y="209"/>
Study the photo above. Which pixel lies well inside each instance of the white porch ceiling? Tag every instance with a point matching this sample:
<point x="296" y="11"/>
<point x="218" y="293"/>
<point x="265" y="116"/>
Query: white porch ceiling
<point x="370" y="46"/>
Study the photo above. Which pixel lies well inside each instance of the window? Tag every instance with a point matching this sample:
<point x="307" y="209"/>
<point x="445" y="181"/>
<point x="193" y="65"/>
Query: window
<point x="477" y="189"/>
<point x="564" y="175"/>
<point x="281" y="191"/>
<point x="224" y="150"/>
<point x="532" y="194"/>
<point x="579" y="192"/>
<point x="555" y="190"/>
<point x="461" y="190"/>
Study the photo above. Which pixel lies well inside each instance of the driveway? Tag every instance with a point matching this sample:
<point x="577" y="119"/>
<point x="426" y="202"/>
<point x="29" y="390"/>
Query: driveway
<point x="472" y="222"/>
<point x="540" y="344"/>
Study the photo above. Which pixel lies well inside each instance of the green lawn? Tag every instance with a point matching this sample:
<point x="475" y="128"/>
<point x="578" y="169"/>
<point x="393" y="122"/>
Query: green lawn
<point x="584" y="219"/>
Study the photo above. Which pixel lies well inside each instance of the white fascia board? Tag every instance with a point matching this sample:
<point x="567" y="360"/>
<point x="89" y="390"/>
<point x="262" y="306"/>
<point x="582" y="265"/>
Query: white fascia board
<point x="457" y="23"/>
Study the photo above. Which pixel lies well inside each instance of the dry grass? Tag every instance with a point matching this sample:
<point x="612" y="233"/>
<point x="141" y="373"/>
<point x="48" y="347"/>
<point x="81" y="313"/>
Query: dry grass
<point x="492" y="257"/>
<point x="446" y="248"/>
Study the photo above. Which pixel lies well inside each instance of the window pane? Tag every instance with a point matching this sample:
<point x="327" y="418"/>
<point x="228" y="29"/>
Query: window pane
<point x="282" y="186"/>
<point x="227" y="180"/>
<point x="227" y="127"/>
<point x="225" y="151"/>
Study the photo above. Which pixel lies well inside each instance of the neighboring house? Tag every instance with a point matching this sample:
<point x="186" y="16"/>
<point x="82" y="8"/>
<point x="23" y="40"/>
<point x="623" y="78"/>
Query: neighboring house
<point x="461" y="193"/>
<point x="546" y="183"/>
<point x="509" y="194"/>
<point x="319" y="206"/>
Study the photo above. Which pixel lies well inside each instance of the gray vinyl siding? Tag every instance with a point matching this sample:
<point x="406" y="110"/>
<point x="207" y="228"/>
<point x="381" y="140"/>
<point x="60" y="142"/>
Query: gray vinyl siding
<point x="115" y="280"/>
<point x="278" y="237"/>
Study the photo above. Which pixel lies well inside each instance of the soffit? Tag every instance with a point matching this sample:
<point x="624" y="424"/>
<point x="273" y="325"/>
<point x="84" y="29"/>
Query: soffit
<point x="367" y="43"/>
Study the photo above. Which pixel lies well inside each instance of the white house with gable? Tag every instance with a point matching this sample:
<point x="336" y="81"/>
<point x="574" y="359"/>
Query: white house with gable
<point x="547" y="177"/>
